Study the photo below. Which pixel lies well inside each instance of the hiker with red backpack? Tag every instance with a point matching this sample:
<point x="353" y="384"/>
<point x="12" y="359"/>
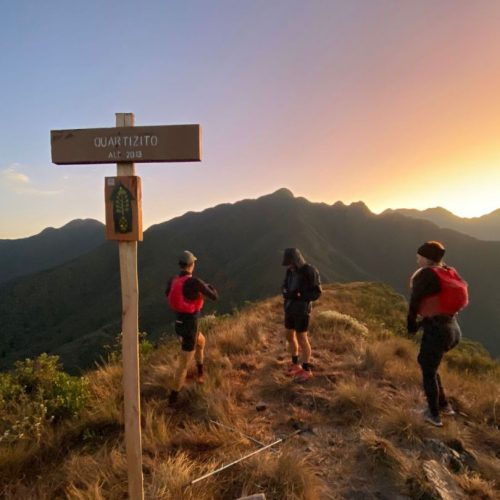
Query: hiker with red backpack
<point x="300" y="288"/>
<point x="185" y="297"/>
<point x="438" y="294"/>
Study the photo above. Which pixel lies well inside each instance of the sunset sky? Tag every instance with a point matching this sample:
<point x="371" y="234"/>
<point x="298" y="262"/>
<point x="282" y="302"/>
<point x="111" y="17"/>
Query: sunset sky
<point x="395" y="103"/>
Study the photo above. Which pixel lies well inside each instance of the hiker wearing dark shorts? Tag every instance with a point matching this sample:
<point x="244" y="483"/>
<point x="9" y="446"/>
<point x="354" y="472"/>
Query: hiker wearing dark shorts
<point x="300" y="288"/>
<point x="436" y="302"/>
<point x="185" y="296"/>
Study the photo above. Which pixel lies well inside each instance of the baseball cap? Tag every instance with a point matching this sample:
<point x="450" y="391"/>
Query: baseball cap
<point x="187" y="258"/>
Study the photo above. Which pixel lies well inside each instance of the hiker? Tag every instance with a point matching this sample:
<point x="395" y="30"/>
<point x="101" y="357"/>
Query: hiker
<point x="185" y="296"/>
<point x="300" y="288"/>
<point x="437" y="294"/>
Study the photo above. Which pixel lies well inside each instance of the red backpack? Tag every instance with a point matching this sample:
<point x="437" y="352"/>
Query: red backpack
<point x="452" y="298"/>
<point x="178" y="302"/>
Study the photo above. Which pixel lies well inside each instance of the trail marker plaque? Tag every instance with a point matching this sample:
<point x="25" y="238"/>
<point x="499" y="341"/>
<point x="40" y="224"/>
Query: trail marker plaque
<point x="124" y="145"/>
<point x="123" y="208"/>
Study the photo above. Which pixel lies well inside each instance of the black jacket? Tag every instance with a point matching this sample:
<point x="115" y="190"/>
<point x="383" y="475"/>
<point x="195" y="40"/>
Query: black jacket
<point x="300" y="288"/>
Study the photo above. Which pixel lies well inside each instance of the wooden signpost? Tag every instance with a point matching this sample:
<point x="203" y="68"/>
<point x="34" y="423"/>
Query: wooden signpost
<point x="125" y="145"/>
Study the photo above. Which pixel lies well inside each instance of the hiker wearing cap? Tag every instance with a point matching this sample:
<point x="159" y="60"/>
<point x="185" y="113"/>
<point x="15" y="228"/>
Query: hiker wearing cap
<point x="437" y="294"/>
<point x="300" y="288"/>
<point x="185" y="296"/>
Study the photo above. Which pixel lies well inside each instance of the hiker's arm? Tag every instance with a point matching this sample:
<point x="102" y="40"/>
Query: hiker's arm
<point x="206" y="289"/>
<point x="287" y="295"/>
<point x="425" y="283"/>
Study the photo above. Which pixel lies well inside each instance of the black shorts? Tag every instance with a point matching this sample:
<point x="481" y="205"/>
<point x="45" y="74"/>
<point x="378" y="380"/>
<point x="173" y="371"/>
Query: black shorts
<point x="187" y="329"/>
<point x="297" y="322"/>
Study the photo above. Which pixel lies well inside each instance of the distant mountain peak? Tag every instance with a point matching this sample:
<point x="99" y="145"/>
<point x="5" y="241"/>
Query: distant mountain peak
<point x="82" y="222"/>
<point x="72" y="224"/>
<point x="282" y="193"/>
<point x="357" y="206"/>
<point x="360" y="206"/>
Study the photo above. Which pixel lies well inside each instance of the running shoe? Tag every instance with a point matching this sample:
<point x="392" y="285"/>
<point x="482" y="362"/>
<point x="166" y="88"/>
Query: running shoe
<point x="303" y="375"/>
<point x="448" y="410"/>
<point x="432" y="419"/>
<point x="292" y="369"/>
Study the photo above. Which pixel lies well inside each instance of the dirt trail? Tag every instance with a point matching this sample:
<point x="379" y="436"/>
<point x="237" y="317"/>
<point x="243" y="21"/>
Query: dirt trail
<point x="289" y="405"/>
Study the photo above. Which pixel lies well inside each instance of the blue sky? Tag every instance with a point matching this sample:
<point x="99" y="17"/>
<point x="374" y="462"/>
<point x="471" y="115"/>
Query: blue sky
<point x="393" y="103"/>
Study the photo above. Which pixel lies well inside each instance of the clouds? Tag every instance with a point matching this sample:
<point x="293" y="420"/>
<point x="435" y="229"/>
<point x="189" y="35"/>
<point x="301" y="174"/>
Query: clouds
<point x="17" y="182"/>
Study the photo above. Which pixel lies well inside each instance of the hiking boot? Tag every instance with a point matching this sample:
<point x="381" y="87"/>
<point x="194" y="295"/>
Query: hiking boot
<point x="292" y="369"/>
<point x="448" y="410"/>
<point x="431" y="419"/>
<point x="303" y="375"/>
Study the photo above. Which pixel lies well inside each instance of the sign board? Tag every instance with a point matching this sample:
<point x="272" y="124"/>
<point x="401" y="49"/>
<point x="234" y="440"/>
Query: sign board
<point x="164" y="143"/>
<point x="123" y="208"/>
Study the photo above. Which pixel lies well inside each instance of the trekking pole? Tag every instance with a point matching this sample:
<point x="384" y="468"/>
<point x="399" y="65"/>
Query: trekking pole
<point x="224" y="467"/>
<point x="237" y="430"/>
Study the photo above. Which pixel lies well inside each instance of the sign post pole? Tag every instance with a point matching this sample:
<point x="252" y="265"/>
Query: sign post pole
<point x="130" y="343"/>
<point x="124" y="145"/>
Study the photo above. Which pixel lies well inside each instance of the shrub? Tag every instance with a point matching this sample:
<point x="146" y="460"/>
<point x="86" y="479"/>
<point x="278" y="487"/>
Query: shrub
<point x="471" y="357"/>
<point x="338" y="322"/>
<point x="37" y="392"/>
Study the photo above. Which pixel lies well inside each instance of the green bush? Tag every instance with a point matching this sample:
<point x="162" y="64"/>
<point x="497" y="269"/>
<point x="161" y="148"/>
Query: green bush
<point x="36" y="392"/>
<point x="472" y="357"/>
<point x="114" y="351"/>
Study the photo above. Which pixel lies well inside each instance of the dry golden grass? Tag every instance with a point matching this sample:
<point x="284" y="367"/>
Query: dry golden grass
<point x="391" y="356"/>
<point x="356" y="401"/>
<point x="239" y="336"/>
<point x="383" y="457"/>
<point x="477" y="488"/>
<point x="170" y="479"/>
<point x="478" y="397"/>
<point x="282" y="475"/>
<point x="403" y="425"/>
<point x="106" y="394"/>
<point x="103" y="473"/>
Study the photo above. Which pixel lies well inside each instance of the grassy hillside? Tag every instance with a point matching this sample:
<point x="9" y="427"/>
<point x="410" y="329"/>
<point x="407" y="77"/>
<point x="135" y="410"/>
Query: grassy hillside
<point x="363" y="437"/>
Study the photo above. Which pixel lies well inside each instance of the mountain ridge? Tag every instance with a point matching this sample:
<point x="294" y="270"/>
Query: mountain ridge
<point x="49" y="248"/>
<point x="485" y="227"/>
<point x="239" y="247"/>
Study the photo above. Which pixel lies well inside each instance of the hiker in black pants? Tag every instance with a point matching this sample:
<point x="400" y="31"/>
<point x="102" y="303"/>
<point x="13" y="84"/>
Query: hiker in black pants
<point x="437" y="303"/>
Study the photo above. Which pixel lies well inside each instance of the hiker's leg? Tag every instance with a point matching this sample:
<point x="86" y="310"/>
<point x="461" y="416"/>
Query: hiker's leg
<point x="185" y="358"/>
<point x="305" y="346"/>
<point x="441" y="396"/>
<point x="429" y="358"/>
<point x="187" y="329"/>
<point x="293" y="345"/>
<point x="200" y="356"/>
<point x="200" y="349"/>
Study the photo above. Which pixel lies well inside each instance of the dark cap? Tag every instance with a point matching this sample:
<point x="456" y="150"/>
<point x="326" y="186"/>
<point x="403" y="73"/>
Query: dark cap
<point x="187" y="258"/>
<point x="432" y="250"/>
<point x="292" y="256"/>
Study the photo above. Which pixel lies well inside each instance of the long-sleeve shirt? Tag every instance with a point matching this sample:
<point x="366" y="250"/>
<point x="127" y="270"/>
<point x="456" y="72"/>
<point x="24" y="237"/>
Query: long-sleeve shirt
<point x="425" y="282"/>
<point x="193" y="286"/>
